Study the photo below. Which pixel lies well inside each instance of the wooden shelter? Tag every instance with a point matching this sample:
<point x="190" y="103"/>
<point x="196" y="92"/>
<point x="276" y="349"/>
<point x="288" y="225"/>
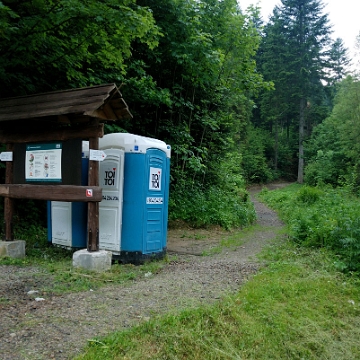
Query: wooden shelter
<point x="59" y="116"/>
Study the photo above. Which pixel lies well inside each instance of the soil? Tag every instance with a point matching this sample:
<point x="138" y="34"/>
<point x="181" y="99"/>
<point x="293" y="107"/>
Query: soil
<point x="60" y="326"/>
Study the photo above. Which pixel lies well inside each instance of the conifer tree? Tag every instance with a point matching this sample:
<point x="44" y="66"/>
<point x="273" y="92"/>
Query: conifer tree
<point x="298" y="55"/>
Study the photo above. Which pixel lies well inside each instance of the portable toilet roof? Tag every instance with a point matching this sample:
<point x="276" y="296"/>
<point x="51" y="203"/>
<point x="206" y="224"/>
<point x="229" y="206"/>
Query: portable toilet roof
<point x="132" y="143"/>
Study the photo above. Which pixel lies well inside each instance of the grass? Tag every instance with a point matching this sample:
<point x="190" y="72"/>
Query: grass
<point x="322" y="217"/>
<point x="231" y="242"/>
<point x="297" y="307"/>
<point x="57" y="275"/>
<point x="61" y="277"/>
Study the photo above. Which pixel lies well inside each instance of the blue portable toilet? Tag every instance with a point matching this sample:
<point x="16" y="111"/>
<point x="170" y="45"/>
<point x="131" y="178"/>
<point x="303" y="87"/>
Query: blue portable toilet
<point x="145" y="196"/>
<point x="67" y="221"/>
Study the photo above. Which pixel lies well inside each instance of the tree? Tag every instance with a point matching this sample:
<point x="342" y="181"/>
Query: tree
<point x="333" y="150"/>
<point x="205" y="62"/>
<point x="47" y="45"/>
<point x="273" y="61"/>
<point x="339" y="60"/>
<point x="298" y="55"/>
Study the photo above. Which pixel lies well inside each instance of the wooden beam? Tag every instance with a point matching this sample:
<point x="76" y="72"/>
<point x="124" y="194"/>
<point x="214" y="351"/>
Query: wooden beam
<point x="109" y="112"/>
<point x="93" y="208"/>
<point x="52" y="192"/>
<point x="8" y="202"/>
<point x="64" y="119"/>
<point x="98" y="114"/>
<point x="66" y="133"/>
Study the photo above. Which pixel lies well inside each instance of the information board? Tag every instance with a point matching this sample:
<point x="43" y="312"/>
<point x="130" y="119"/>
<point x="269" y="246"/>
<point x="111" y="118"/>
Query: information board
<point x="57" y="162"/>
<point x="43" y="162"/>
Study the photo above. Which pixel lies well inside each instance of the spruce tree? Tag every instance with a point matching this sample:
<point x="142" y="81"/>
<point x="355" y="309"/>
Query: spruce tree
<point x="298" y="55"/>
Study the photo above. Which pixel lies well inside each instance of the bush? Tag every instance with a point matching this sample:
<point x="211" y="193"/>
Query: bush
<point x="325" y="168"/>
<point x="214" y="206"/>
<point x="308" y="195"/>
<point x="256" y="165"/>
<point x="224" y="202"/>
<point x="322" y="218"/>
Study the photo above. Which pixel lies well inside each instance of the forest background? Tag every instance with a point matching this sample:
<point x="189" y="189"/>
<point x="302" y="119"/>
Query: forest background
<point x="239" y="100"/>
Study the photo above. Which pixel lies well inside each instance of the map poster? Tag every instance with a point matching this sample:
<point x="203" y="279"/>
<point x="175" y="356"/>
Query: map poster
<point x="43" y="162"/>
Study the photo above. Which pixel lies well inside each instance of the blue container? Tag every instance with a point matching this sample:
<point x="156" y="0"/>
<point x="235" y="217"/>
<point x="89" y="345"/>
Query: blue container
<point x="145" y="196"/>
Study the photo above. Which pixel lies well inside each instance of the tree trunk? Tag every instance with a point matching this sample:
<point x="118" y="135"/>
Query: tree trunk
<point x="300" y="178"/>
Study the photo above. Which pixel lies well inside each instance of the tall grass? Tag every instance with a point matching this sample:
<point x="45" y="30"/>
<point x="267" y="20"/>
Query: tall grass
<point x="321" y="217"/>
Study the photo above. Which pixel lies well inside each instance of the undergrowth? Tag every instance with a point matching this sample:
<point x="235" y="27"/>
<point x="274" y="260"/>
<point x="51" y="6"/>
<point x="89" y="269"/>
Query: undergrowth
<point x="321" y="217"/>
<point x="229" y="208"/>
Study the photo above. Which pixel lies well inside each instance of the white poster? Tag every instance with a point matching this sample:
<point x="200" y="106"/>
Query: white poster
<point x="155" y="179"/>
<point x="43" y="162"/>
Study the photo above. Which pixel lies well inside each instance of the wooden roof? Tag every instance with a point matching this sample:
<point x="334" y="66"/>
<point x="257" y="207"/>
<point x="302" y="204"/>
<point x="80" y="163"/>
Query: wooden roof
<point x="102" y="102"/>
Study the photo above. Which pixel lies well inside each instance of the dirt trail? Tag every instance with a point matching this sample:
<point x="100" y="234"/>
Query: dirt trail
<point x="59" y="327"/>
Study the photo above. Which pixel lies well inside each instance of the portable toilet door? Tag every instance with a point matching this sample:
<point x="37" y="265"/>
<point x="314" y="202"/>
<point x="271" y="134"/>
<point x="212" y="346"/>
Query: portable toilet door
<point x="155" y="211"/>
<point x="110" y="208"/>
<point x="145" y="211"/>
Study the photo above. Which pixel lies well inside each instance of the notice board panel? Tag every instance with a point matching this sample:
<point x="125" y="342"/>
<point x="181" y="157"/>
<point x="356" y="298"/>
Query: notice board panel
<point x="53" y="162"/>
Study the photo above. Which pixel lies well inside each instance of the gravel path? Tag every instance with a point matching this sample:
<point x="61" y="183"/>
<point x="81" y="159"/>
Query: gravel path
<point x="59" y="327"/>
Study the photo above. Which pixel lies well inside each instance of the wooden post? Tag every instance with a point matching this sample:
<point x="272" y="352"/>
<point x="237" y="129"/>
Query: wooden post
<point x="93" y="207"/>
<point x="8" y="202"/>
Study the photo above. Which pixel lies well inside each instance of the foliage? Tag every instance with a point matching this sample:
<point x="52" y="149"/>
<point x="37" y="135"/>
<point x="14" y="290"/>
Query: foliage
<point x="226" y="203"/>
<point x="256" y="149"/>
<point x="205" y="62"/>
<point x="295" y="55"/>
<point x="333" y="148"/>
<point x="339" y="59"/>
<point x="323" y="169"/>
<point x="297" y="307"/>
<point x="213" y="206"/>
<point x="322" y="218"/>
<point x="188" y="69"/>
<point x="47" y="45"/>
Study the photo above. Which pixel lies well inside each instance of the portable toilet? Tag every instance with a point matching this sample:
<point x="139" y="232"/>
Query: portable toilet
<point x="67" y="221"/>
<point x="111" y="180"/>
<point x="144" y="197"/>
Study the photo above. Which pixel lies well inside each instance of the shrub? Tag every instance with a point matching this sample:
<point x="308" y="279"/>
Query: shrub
<point x="214" y="206"/>
<point x="325" y="168"/>
<point x="308" y="195"/>
<point x="322" y="218"/>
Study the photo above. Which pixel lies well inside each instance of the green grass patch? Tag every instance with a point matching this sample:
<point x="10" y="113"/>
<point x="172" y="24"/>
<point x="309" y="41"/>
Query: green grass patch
<point x="56" y="273"/>
<point x="321" y="217"/>
<point x="236" y="239"/>
<point x="297" y="307"/>
<point x="61" y="277"/>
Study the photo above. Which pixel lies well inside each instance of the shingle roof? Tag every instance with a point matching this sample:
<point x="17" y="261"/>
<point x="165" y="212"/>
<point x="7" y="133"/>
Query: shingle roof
<point x="102" y="102"/>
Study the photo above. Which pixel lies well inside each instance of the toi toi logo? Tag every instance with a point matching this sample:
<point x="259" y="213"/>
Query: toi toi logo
<point x="155" y="180"/>
<point x="110" y="177"/>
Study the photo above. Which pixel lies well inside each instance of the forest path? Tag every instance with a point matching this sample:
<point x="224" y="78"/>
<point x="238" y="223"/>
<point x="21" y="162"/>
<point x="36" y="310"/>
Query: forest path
<point x="60" y="326"/>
